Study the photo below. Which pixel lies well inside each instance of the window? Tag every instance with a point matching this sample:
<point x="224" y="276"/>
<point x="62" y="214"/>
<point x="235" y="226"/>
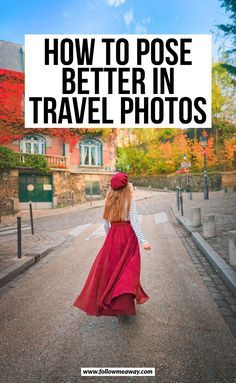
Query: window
<point x="90" y="153"/>
<point x="92" y="188"/>
<point x="23" y="104"/>
<point x="63" y="149"/>
<point x="33" y="144"/>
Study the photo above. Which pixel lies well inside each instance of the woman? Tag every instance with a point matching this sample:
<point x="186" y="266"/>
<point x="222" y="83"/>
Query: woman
<point x="114" y="279"/>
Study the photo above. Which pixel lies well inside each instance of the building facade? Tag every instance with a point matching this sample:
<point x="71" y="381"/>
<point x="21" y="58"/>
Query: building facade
<point x="76" y="172"/>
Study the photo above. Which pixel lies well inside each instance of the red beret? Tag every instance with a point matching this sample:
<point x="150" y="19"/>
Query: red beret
<point x="119" y="181"/>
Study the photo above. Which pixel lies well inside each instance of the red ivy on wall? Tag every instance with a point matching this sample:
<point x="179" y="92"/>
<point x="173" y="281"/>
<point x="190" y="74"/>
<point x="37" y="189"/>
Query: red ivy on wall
<point x="12" y="117"/>
<point x="11" y="110"/>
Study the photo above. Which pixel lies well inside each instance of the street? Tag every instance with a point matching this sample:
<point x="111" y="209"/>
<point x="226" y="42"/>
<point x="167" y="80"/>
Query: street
<point x="180" y="330"/>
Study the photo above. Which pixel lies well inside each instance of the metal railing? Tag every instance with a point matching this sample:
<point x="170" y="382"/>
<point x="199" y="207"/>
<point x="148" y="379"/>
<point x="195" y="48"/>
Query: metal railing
<point x="95" y="169"/>
<point x="54" y="162"/>
<point x="57" y="162"/>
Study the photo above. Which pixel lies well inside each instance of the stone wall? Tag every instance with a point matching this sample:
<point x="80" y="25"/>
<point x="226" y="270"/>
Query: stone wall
<point x="9" y="200"/>
<point x="217" y="181"/>
<point x="104" y="184"/>
<point x="229" y="179"/>
<point x="69" y="188"/>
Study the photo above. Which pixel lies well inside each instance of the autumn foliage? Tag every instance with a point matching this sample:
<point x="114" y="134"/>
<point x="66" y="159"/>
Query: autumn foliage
<point x="140" y="151"/>
<point x="12" y="113"/>
<point x="164" y="156"/>
<point x="156" y="151"/>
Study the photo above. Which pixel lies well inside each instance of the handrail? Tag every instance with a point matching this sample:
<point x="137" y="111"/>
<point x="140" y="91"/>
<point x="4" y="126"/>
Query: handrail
<point x="55" y="162"/>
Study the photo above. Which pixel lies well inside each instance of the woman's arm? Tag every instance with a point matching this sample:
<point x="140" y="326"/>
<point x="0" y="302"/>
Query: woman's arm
<point x="133" y="217"/>
<point x="106" y="225"/>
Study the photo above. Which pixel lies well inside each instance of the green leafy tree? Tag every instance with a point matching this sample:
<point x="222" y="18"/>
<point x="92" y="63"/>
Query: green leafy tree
<point x="229" y="30"/>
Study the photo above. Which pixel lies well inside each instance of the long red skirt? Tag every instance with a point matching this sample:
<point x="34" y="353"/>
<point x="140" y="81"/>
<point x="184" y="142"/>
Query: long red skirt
<point x="114" y="279"/>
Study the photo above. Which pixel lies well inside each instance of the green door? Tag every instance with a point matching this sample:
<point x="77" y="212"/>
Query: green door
<point x="92" y="188"/>
<point x="35" y="188"/>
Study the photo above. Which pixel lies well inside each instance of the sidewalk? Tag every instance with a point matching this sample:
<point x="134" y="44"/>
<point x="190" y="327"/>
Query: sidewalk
<point x="45" y="238"/>
<point x="139" y="194"/>
<point x="223" y="206"/>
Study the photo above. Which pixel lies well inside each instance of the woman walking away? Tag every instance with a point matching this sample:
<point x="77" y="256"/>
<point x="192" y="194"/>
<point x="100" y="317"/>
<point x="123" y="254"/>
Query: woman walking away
<point x="114" y="279"/>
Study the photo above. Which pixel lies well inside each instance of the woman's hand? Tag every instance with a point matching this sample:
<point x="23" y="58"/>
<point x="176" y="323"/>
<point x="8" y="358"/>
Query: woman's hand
<point x="146" y="246"/>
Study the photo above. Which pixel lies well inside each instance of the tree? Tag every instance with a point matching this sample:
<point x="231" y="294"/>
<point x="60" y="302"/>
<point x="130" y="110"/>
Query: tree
<point x="223" y="104"/>
<point x="230" y="31"/>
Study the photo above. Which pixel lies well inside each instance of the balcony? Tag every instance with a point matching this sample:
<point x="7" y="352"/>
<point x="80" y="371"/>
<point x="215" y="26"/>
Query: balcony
<point x="28" y="160"/>
<point x="91" y="169"/>
<point x="54" y="162"/>
<point x="99" y="170"/>
<point x="57" y="162"/>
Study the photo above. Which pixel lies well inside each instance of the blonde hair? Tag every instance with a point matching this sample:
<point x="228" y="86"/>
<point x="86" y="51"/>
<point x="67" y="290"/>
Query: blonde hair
<point x="115" y="202"/>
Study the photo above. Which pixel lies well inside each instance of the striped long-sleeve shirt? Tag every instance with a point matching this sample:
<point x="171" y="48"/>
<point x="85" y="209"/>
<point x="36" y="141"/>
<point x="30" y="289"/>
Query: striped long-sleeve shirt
<point x="133" y="218"/>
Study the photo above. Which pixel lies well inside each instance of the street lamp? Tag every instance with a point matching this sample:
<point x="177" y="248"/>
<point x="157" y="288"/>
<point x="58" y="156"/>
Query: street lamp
<point x="186" y="174"/>
<point x="206" y="190"/>
<point x="178" y="171"/>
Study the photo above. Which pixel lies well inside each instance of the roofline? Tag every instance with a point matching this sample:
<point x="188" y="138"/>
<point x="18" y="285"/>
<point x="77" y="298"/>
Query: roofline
<point x="10" y="42"/>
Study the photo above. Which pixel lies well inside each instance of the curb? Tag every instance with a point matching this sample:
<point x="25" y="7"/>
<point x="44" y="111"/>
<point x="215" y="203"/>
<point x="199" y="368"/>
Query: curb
<point x="155" y="189"/>
<point x="223" y="268"/>
<point x="13" y="271"/>
<point x="25" y="262"/>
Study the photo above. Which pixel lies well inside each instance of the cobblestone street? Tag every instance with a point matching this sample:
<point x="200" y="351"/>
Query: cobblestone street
<point x="221" y="294"/>
<point x="223" y="206"/>
<point x="186" y="330"/>
<point x="53" y="226"/>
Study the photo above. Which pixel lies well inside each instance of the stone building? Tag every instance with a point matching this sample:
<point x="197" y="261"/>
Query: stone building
<point x="75" y="174"/>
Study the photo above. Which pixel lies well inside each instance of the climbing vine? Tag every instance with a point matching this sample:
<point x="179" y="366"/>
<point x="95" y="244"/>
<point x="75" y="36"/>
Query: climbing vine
<point x="12" y="114"/>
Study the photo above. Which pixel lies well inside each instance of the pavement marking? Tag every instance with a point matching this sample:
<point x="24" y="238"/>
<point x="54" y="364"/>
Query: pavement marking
<point x="12" y="229"/>
<point x="98" y="233"/>
<point x="160" y="218"/>
<point x="140" y="218"/>
<point x="79" y="229"/>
